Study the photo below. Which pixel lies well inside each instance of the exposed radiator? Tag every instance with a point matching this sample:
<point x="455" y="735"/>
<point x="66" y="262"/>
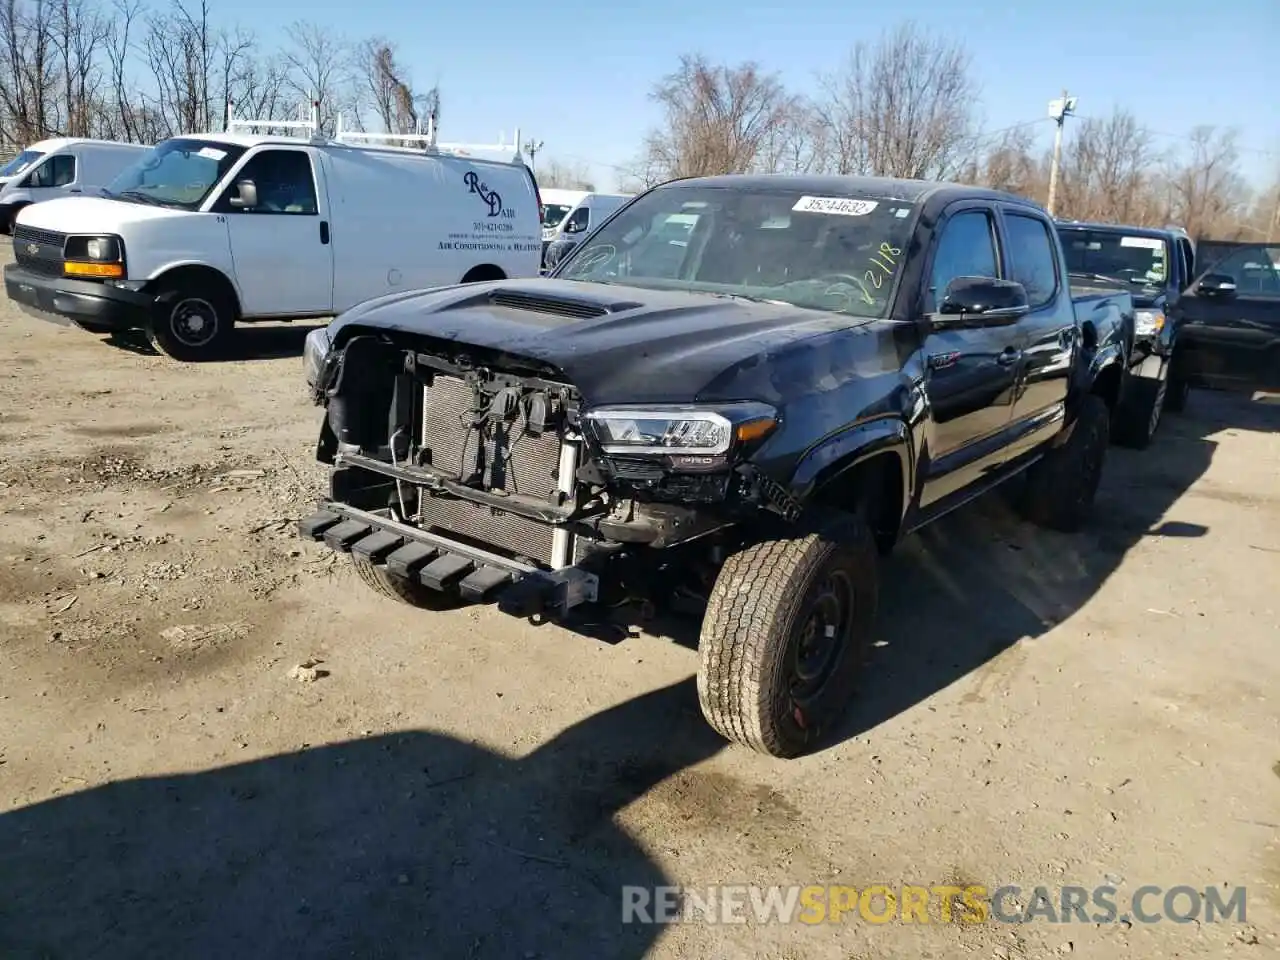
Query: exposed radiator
<point x="513" y="460"/>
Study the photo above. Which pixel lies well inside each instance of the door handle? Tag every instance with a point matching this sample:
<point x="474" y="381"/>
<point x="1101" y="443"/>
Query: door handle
<point x="74" y="190"/>
<point x="324" y="231"/>
<point x="1008" y="355"/>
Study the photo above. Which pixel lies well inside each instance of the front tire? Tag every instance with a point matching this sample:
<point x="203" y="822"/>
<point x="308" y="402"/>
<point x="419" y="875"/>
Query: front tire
<point x="193" y="321"/>
<point x="1062" y="485"/>
<point x="415" y="594"/>
<point x="1175" y="398"/>
<point x="1138" y="418"/>
<point x="785" y="635"/>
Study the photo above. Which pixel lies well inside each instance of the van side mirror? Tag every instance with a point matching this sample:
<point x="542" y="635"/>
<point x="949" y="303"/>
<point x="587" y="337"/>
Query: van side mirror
<point x="980" y="302"/>
<point x="246" y="195"/>
<point x="1217" y="285"/>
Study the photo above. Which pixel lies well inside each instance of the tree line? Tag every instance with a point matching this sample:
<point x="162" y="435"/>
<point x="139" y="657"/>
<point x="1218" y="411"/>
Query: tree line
<point x="907" y="105"/>
<point x="122" y="70"/>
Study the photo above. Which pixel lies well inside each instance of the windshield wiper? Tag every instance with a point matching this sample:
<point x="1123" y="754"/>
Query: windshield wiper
<point x="1102" y="277"/>
<point x="137" y="196"/>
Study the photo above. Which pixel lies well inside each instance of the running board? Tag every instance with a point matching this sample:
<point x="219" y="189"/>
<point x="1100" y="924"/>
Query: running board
<point x="447" y="566"/>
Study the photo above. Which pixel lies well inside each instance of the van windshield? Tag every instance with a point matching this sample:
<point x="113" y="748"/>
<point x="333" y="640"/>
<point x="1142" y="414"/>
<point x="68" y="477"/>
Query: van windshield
<point x="838" y="254"/>
<point x="553" y="213"/>
<point x="19" y="163"/>
<point x="177" y="173"/>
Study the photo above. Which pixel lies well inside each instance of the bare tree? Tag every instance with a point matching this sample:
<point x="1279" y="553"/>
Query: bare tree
<point x="28" y="76"/>
<point x="180" y="48"/>
<point x="1010" y="165"/>
<point x="717" y="119"/>
<point x="320" y="71"/>
<point x="1107" y="171"/>
<point x="385" y="82"/>
<point x="1207" y="194"/>
<point x="903" y="107"/>
<point x="558" y="174"/>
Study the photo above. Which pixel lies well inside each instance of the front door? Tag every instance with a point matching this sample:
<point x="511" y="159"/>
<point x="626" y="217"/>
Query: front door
<point x="280" y="247"/>
<point x="970" y="373"/>
<point x="1231" y="339"/>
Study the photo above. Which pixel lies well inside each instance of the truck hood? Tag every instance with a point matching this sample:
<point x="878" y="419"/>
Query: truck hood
<point x="614" y="343"/>
<point x="92" y="214"/>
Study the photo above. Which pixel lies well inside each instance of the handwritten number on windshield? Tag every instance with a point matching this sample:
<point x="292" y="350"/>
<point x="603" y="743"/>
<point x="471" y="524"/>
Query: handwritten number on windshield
<point x="882" y="263"/>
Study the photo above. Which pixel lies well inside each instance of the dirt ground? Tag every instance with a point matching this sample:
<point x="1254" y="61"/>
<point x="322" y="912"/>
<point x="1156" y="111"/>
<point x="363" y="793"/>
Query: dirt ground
<point x="1096" y="709"/>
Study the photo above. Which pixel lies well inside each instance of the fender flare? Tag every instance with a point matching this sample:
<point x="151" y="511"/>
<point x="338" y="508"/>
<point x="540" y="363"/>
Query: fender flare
<point x="841" y="451"/>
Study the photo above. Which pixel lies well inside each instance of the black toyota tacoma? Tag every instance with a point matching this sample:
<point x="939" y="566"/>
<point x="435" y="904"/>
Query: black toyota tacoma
<point x="744" y="389"/>
<point x="1155" y="265"/>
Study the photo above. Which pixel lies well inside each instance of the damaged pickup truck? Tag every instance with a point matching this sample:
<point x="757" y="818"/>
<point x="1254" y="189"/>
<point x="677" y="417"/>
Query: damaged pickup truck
<point x="751" y="411"/>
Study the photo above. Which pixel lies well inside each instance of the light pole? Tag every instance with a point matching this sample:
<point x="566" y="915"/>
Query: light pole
<point x="532" y="147"/>
<point x="1058" y="111"/>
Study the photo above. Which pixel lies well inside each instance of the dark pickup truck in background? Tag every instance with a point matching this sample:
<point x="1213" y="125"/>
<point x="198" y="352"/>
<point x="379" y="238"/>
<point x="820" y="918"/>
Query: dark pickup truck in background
<point x="1155" y="265"/>
<point x="1228" y="320"/>
<point x="739" y="390"/>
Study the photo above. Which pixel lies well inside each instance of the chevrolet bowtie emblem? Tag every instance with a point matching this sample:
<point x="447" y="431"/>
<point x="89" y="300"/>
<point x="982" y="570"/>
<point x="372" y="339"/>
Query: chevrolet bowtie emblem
<point x="33" y="248"/>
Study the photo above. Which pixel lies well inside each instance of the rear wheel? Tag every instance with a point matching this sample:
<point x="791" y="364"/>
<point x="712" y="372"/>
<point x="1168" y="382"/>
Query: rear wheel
<point x="377" y="579"/>
<point x="786" y="632"/>
<point x="193" y="320"/>
<point x="1062" y="485"/>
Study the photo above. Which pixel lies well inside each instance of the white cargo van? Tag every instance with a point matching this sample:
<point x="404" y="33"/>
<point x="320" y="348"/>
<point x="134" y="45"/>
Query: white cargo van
<point x="586" y="213"/>
<point x="213" y="229"/>
<point x="59" y="168"/>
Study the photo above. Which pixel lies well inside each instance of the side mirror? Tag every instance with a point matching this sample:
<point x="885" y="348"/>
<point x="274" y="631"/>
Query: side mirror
<point x="981" y="302"/>
<point x="1217" y="285"/>
<point x="246" y="195"/>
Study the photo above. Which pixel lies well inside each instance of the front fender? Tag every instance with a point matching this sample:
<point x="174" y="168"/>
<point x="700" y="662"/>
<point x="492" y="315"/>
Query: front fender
<point x="839" y="452"/>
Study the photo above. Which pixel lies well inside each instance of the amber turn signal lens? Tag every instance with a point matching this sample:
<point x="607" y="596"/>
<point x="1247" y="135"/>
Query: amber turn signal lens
<point x="98" y="270"/>
<point x="754" y="429"/>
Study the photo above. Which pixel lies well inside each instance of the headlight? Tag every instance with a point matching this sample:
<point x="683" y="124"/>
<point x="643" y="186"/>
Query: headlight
<point x="97" y="258"/>
<point x="1147" y="323"/>
<point x="314" y="353"/>
<point x="679" y="431"/>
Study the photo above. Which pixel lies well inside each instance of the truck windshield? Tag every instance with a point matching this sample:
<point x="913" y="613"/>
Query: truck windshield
<point x="1114" y="254"/>
<point x="553" y="213"/>
<point x="838" y="254"/>
<point x="19" y="163"/>
<point x="177" y="173"/>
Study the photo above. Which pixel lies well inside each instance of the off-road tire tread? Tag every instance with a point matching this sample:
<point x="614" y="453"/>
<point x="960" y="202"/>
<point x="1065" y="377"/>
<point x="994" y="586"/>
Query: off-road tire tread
<point x="377" y="579"/>
<point x="1051" y="499"/>
<point x="754" y="604"/>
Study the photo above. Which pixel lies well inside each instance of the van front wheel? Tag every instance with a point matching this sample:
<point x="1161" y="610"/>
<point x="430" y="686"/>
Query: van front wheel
<point x="191" y="322"/>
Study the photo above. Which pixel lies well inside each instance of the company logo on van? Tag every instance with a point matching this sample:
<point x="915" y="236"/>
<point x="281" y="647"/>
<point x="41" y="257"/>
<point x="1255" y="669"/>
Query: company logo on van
<point x="490" y="197"/>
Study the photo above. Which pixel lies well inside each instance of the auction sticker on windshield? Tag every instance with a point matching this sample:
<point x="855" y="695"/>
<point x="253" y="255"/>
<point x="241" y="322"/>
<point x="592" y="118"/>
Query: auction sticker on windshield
<point x="841" y="205"/>
<point x="1147" y="243"/>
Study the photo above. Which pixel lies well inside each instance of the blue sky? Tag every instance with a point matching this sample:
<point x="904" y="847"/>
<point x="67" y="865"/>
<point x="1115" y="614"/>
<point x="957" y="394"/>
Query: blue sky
<point x="577" y="75"/>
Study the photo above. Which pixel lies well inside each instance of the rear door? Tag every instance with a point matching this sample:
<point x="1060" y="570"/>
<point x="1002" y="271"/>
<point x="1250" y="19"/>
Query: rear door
<point x="281" y="250"/>
<point x="1230" y="339"/>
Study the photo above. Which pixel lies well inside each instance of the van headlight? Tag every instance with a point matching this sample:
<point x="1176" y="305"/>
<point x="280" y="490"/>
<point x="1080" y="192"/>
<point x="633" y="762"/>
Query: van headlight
<point x="679" y="431"/>
<point x="93" y="257"/>
<point x="1148" y="323"/>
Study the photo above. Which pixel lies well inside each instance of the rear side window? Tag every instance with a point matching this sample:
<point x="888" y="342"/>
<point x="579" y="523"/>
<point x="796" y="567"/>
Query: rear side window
<point x="1031" y="258"/>
<point x="966" y="248"/>
<point x="581" y="217"/>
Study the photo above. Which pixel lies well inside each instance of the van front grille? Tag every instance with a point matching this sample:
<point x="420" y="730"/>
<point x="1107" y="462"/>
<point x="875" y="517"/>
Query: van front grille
<point x="39" y="251"/>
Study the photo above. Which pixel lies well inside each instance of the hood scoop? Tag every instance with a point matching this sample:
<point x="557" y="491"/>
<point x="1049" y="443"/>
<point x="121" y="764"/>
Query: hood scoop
<point x="556" y="306"/>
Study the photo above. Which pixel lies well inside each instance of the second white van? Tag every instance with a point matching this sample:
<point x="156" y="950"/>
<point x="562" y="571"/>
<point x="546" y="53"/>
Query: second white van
<point x="60" y="168"/>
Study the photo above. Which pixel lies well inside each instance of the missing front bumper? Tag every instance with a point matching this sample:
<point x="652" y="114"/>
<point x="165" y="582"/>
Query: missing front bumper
<point x="448" y="566"/>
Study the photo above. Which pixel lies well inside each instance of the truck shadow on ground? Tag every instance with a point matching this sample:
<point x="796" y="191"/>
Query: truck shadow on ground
<point x="406" y="845"/>
<point x="254" y="342"/>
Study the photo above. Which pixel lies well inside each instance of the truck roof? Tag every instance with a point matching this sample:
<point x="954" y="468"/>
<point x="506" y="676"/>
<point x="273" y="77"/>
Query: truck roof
<point x="911" y="191"/>
<point x="57" y="143"/>
<point x="1159" y="232"/>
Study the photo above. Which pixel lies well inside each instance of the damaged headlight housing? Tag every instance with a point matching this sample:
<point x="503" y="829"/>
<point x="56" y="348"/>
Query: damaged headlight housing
<point x="1148" y="323"/>
<point x="315" y="352"/>
<point x="679" y="431"/>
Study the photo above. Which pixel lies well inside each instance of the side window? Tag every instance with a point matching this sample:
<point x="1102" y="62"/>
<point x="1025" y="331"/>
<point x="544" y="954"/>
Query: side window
<point x="57" y="171"/>
<point x="1255" y="269"/>
<point x="966" y="248"/>
<point x="1032" y="262"/>
<point x="1188" y="262"/>
<point x="284" y="183"/>
<point x="580" y="218"/>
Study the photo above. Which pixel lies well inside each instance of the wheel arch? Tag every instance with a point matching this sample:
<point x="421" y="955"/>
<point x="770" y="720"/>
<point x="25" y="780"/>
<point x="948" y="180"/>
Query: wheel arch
<point x="196" y="273"/>
<point x="484" y="272"/>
